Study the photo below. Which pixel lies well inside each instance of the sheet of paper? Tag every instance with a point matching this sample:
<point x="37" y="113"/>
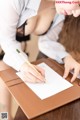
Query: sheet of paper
<point x="54" y="83"/>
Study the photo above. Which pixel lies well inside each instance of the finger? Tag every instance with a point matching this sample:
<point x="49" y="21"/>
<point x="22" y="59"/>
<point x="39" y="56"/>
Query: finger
<point x="37" y="74"/>
<point x="66" y="72"/>
<point x="31" y="69"/>
<point x="34" y="79"/>
<point x="27" y="77"/>
<point x="76" y="73"/>
<point x="41" y="70"/>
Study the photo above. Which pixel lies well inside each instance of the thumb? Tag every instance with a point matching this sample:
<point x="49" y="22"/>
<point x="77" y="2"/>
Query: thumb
<point x="66" y="72"/>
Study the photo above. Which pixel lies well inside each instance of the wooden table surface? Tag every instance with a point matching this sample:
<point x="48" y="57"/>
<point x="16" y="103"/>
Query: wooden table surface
<point x="36" y="109"/>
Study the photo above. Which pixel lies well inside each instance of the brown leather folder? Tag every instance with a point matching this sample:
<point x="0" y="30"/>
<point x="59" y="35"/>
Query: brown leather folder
<point x="29" y="102"/>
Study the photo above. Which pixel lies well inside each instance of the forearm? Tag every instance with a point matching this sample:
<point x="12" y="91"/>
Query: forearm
<point x="46" y="4"/>
<point x="8" y="25"/>
<point x="12" y="58"/>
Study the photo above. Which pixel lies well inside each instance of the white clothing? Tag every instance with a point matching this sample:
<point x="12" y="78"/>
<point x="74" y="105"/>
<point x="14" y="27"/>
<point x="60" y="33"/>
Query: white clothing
<point x="13" y="13"/>
<point x="48" y="43"/>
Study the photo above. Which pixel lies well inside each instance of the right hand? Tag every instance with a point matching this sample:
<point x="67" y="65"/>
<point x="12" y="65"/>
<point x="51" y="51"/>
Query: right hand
<point x="32" y="73"/>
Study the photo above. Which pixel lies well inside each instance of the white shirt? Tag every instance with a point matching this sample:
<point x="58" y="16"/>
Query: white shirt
<point x="13" y="13"/>
<point x="48" y="43"/>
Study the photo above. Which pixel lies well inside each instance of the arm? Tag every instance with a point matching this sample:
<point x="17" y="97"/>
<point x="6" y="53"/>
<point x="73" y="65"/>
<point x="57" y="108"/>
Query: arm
<point x="8" y="25"/>
<point x="46" y="13"/>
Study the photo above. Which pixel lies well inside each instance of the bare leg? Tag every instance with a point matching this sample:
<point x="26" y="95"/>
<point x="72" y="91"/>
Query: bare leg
<point x="5" y="100"/>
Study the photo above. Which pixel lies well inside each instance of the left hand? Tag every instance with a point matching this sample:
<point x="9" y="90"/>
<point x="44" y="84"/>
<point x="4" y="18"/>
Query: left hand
<point x="71" y="64"/>
<point x="68" y="9"/>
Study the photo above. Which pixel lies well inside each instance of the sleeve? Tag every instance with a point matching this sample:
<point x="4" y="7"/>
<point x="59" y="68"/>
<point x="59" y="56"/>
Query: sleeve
<point x="49" y="45"/>
<point x="8" y="22"/>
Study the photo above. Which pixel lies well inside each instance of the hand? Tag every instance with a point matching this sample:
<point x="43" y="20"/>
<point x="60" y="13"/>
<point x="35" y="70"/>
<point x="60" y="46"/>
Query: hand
<point x="68" y="7"/>
<point x="71" y="64"/>
<point x="32" y="73"/>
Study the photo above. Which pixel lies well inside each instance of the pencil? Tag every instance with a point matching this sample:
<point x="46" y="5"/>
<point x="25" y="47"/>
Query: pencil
<point x="28" y="63"/>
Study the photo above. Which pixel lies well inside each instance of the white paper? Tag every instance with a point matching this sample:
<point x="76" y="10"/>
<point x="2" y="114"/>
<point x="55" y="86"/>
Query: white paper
<point x="54" y="83"/>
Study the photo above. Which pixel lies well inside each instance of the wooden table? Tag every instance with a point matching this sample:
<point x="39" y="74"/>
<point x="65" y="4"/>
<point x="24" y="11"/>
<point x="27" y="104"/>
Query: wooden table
<point x="31" y="107"/>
